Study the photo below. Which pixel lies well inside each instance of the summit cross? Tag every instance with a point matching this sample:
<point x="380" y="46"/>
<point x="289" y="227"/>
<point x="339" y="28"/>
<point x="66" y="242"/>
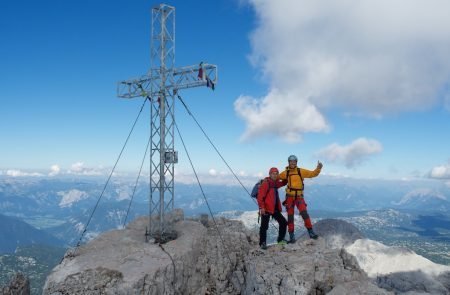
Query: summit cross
<point x="160" y="85"/>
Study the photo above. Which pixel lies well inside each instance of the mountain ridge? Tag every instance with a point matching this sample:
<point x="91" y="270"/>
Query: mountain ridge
<point x="15" y="232"/>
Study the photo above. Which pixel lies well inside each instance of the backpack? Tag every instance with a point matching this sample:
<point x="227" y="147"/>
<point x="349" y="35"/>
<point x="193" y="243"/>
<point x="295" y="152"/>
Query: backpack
<point x="255" y="189"/>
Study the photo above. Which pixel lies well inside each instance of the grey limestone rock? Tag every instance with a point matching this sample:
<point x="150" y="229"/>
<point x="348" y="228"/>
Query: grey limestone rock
<point x="306" y="267"/>
<point x="121" y="262"/>
<point x="210" y="256"/>
<point x="415" y="282"/>
<point x="337" y="233"/>
<point x="18" y="285"/>
<point x="444" y="279"/>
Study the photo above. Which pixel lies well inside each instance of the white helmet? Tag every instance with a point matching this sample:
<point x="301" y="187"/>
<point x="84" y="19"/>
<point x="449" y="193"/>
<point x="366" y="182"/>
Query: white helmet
<point x="292" y="158"/>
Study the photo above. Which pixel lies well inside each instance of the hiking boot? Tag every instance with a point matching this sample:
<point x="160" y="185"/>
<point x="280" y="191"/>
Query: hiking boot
<point x="282" y="242"/>
<point x="263" y="246"/>
<point x="312" y="234"/>
<point x="291" y="238"/>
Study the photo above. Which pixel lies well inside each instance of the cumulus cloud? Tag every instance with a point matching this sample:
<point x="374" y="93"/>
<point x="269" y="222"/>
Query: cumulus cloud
<point x="353" y="154"/>
<point x="212" y="172"/>
<point x="79" y="168"/>
<point x="441" y="172"/>
<point x="274" y="115"/>
<point x="362" y="57"/>
<point x="20" y="173"/>
<point x="54" y="170"/>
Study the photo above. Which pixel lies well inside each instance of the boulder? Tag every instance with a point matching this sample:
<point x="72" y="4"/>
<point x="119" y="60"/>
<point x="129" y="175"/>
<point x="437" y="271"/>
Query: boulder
<point x="18" y="285"/>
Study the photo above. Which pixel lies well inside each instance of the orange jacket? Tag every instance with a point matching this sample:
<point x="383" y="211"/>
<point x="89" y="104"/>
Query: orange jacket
<point x="268" y="198"/>
<point x="295" y="184"/>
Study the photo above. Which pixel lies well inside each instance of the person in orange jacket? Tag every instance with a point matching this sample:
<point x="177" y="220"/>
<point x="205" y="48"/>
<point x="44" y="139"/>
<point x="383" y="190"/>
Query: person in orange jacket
<point x="270" y="205"/>
<point x="294" y="194"/>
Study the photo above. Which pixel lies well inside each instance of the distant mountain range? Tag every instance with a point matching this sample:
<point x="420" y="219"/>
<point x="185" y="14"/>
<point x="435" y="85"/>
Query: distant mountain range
<point x="15" y="232"/>
<point x="62" y="206"/>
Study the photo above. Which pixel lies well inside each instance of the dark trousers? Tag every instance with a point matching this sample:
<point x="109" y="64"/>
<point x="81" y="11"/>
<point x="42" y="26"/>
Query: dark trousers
<point x="282" y="224"/>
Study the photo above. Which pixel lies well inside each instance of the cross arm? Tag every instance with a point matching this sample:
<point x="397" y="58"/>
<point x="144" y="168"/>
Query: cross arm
<point x="178" y="78"/>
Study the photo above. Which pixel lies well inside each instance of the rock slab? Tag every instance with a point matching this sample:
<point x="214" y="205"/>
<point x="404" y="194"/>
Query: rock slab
<point x="208" y="257"/>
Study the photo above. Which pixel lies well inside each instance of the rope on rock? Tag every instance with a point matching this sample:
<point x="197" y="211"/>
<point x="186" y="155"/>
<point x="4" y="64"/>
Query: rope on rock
<point x="223" y="159"/>
<point x="110" y="175"/>
<point x="207" y="203"/>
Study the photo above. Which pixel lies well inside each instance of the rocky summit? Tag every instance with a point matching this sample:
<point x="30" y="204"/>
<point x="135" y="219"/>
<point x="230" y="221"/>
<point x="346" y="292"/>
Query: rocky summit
<point x="208" y="257"/>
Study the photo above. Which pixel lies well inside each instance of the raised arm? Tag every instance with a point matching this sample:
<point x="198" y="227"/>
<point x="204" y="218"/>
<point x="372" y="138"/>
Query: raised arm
<point x="310" y="174"/>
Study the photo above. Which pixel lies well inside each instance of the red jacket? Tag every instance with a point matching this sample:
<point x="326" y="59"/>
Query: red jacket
<point x="268" y="195"/>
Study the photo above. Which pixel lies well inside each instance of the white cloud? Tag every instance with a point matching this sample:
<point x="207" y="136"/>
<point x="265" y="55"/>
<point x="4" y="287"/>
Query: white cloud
<point x="54" y="170"/>
<point x="14" y="173"/>
<point x="352" y="154"/>
<point x="70" y="197"/>
<point x="274" y="115"/>
<point x="242" y="173"/>
<point x="212" y="172"/>
<point x="441" y="172"/>
<point x="19" y="173"/>
<point x="79" y="168"/>
<point x="362" y="57"/>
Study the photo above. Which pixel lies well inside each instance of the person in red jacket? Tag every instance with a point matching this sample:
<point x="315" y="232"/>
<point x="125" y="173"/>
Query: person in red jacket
<point x="270" y="205"/>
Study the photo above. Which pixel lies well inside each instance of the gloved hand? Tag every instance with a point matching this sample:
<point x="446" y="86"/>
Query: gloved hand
<point x="319" y="165"/>
<point x="262" y="211"/>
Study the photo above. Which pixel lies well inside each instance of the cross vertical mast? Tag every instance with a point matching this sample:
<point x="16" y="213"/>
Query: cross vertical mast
<point x="163" y="57"/>
<point x="160" y="85"/>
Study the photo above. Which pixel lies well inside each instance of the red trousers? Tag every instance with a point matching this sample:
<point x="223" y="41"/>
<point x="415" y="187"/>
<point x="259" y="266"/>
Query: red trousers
<point x="298" y="202"/>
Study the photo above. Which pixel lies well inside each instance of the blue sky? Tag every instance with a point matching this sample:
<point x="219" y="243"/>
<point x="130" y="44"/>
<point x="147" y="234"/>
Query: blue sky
<point x="363" y="86"/>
